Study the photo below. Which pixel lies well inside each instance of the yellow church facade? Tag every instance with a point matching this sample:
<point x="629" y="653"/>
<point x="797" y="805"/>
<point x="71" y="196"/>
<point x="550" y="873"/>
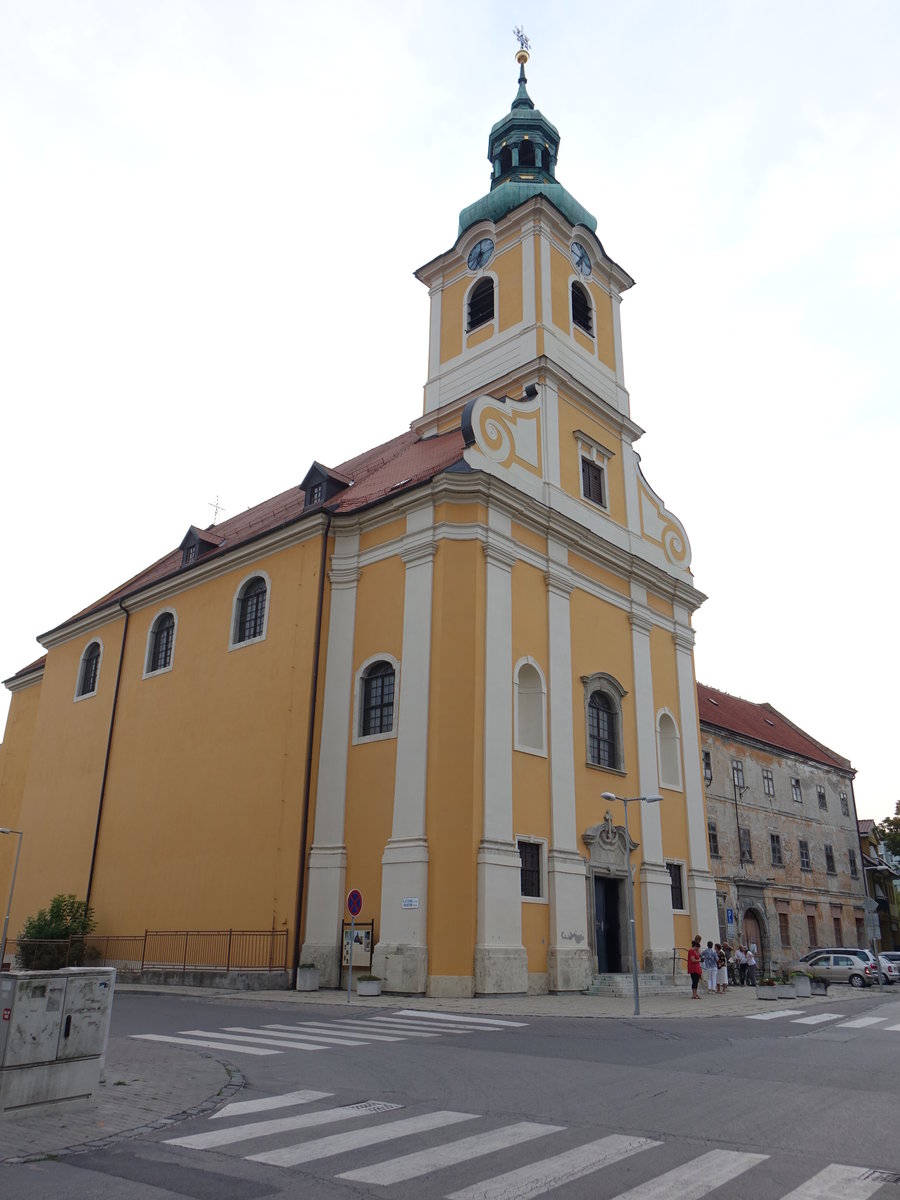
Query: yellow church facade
<point x="417" y="674"/>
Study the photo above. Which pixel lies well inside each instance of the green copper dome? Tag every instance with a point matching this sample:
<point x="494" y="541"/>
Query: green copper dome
<point x="522" y="149"/>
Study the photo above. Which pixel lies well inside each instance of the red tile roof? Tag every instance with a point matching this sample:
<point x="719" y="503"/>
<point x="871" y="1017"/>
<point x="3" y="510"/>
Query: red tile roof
<point x="762" y="723"/>
<point x="393" y="467"/>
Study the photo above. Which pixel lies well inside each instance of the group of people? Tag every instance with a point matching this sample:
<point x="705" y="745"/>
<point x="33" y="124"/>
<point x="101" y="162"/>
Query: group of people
<point x="718" y="959"/>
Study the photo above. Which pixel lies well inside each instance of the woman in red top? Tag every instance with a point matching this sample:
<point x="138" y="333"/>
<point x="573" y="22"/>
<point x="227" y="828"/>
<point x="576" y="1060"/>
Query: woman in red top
<point x="695" y="967"/>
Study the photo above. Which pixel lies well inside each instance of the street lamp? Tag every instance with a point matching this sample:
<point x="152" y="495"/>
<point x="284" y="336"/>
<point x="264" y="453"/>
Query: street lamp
<point x="629" y="891"/>
<point x="18" y="834"/>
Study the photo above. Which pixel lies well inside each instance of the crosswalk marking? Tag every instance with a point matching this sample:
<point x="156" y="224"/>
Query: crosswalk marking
<point x="695" y="1179"/>
<point x="339" y="1143"/>
<point x="491" y="1022"/>
<point x="181" y="1041"/>
<point x="267" y="1103"/>
<point x="395" y="1170"/>
<point x="296" y="1035"/>
<point x="861" y="1022"/>
<point x="399" y="1027"/>
<point x="818" y="1019"/>
<point x="313" y="1028"/>
<point x="309" y="1120"/>
<point x="893" y="1028"/>
<point x="237" y="1041"/>
<point x="771" y="1016"/>
<point x="432" y="1026"/>
<point x="837" y="1182"/>
<point x="541" y="1177"/>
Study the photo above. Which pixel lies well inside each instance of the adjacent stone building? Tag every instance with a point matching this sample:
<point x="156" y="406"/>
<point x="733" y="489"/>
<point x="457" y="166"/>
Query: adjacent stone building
<point x="782" y="827"/>
<point x="882" y="870"/>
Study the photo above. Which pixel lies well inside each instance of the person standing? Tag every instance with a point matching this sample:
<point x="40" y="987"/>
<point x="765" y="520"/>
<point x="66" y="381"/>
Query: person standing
<point x="751" y="967"/>
<point x="740" y="958"/>
<point x="721" y="970"/>
<point x="710" y="960"/>
<point x="695" y="967"/>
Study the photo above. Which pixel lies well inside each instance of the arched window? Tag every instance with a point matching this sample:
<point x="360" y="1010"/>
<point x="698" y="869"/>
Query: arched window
<point x="603" y="719"/>
<point x="530" y="708"/>
<point x="668" y="752"/>
<point x="505" y="160"/>
<point x="376" y="715"/>
<point x="581" y="309"/>
<point x="250" y="614"/>
<point x="481" y="303"/>
<point x="89" y="670"/>
<point x="161" y="643"/>
<point x="526" y="154"/>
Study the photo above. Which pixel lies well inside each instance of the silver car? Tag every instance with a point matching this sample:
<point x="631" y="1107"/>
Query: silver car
<point x="840" y="966"/>
<point x="889" y="962"/>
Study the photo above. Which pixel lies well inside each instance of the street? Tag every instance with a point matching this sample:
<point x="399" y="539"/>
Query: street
<point x="330" y="1100"/>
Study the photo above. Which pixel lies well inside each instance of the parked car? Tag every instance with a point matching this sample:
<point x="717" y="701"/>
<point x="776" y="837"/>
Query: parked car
<point x="840" y="965"/>
<point x="889" y="962"/>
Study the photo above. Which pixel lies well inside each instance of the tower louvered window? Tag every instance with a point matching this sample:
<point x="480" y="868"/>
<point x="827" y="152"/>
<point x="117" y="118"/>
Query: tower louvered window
<point x="481" y="303"/>
<point x="581" y="309"/>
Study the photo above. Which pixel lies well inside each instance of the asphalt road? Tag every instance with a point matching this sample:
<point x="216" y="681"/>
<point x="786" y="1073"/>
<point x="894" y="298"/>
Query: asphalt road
<point x="677" y="1109"/>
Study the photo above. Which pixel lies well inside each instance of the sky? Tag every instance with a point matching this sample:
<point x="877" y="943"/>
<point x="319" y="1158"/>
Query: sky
<point x="210" y="216"/>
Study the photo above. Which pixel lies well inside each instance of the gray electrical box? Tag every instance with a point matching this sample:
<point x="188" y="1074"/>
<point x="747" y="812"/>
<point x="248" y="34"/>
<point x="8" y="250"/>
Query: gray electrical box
<point x="54" y="1026"/>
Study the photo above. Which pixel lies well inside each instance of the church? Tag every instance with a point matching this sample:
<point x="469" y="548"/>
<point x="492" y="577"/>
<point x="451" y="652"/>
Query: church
<point x="427" y="673"/>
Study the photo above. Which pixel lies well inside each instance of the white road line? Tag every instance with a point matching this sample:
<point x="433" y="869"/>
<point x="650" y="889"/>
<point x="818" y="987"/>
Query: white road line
<point x="245" y="1133"/>
<point x="771" y="1016"/>
<point x="442" y="1016"/>
<point x="180" y="1041"/>
<point x="340" y="1143"/>
<point x="404" y="1023"/>
<point x="425" y="1161"/>
<point x="295" y="1036"/>
<point x="285" y="1100"/>
<point x="323" y="1026"/>
<point x="837" y="1182"/>
<point x="861" y="1022"/>
<point x="696" y="1178"/>
<point x="244" y="1038"/>
<point x="818" y="1019"/>
<point x="543" y="1176"/>
<point x="893" y="1028"/>
<point x="410" y="1033"/>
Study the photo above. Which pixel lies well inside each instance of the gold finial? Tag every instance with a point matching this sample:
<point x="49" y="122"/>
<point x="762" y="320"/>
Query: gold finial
<point x="522" y="54"/>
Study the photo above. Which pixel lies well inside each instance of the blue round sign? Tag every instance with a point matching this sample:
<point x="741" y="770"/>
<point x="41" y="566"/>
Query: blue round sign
<point x="354" y="903"/>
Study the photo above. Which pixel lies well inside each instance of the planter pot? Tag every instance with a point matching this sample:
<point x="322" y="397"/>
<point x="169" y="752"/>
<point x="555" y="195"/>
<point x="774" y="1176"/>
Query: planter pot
<point x="368" y="987"/>
<point x="785" y="991"/>
<point x="802" y="986"/>
<point x="307" y="979"/>
<point x="766" y="993"/>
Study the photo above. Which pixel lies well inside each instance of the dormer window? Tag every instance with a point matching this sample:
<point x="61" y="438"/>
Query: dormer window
<point x="316" y="494"/>
<point x="582" y="315"/>
<point x="321" y="483"/>
<point x="481" y="303"/>
<point x="197" y="542"/>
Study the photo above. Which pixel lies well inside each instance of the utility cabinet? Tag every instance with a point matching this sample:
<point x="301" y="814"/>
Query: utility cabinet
<point x="54" y="1027"/>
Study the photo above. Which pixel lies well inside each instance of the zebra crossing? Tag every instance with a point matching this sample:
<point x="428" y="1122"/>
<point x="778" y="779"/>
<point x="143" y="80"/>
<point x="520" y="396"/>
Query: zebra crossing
<point x="451" y="1144"/>
<point x="282" y="1038"/>
<point x="831" y="1019"/>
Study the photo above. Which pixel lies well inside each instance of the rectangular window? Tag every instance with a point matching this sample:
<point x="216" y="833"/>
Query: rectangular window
<point x="811" y="934"/>
<point x="775" y="843"/>
<point x="804" y="856"/>
<point x="823" y="802"/>
<point x="713" y="839"/>
<point x="768" y="782"/>
<point x="530" y="854"/>
<point x="746" y="849"/>
<point x="784" y="930"/>
<point x="854" y="869"/>
<point x="796" y="794"/>
<point x="845" y="805"/>
<point x="677" y="879"/>
<point x="592" y="482"/>
<point x="737" y="772"/>
<point x="838" y="931"/>
<point x="707" y="767"/>
<point x="829" y="859"/>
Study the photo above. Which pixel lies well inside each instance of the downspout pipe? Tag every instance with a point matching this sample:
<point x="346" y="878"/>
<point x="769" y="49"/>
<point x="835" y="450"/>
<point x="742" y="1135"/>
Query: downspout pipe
<point x="310" y="743"/>
<point x="109" y="736"/>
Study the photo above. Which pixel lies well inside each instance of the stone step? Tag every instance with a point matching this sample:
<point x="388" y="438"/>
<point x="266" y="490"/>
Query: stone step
<point x="623" y="985"/>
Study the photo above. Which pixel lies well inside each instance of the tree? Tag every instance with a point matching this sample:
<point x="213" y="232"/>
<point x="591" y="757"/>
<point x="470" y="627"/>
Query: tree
<point x="889" y="830"/>
<point x="43" y="944"/>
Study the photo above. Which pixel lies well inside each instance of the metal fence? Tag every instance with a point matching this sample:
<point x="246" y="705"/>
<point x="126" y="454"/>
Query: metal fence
<point x="163" y="950"/>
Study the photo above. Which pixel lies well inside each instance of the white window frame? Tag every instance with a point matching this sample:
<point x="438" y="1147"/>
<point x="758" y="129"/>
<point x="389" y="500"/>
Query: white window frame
<point x="236" y="608"/>
<point x="600" y="456"/>
<point x="679" y="862"/>
<point x="358" y="739"/>
<point x="540" y="752"/>
<point x="544" y="897"/>
<point x="148" y="674"/>
<point x="88" y="695"/>
<point x="674" y="784"/>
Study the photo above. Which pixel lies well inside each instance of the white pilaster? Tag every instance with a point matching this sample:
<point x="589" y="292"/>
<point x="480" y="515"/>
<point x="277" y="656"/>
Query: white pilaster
<point x="501" y="963"/>
<point x="568" y="956"/>
<point x="653" y="877"/>
<point x="401" y="956"/>
<point x="328" y="856"/>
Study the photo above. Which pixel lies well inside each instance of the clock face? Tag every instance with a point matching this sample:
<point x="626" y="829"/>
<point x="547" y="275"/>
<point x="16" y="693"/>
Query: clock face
<point x="480" y="254"/>
<point x="581" y="258"/>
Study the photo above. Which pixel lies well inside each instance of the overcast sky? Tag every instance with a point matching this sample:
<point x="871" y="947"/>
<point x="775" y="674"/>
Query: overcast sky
<point x="210" y="214"/>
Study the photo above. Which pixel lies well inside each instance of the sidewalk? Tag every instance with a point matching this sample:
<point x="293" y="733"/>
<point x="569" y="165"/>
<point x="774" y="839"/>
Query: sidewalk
<point x="149" y="1085"/>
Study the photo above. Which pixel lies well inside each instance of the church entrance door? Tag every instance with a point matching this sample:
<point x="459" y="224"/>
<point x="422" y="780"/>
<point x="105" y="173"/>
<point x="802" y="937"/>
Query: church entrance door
<point x="607" y="923"/>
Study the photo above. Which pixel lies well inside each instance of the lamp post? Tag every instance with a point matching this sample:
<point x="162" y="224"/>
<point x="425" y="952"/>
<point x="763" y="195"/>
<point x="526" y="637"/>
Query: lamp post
<point x="18" y="834"/>
<point x="629" y="890"/>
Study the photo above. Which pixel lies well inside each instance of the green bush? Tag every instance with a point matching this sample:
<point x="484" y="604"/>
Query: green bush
<point x="44" y="943"/>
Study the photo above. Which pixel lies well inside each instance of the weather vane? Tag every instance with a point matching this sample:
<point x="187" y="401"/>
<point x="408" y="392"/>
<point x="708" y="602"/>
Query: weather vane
<point x="524" y="43"/>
